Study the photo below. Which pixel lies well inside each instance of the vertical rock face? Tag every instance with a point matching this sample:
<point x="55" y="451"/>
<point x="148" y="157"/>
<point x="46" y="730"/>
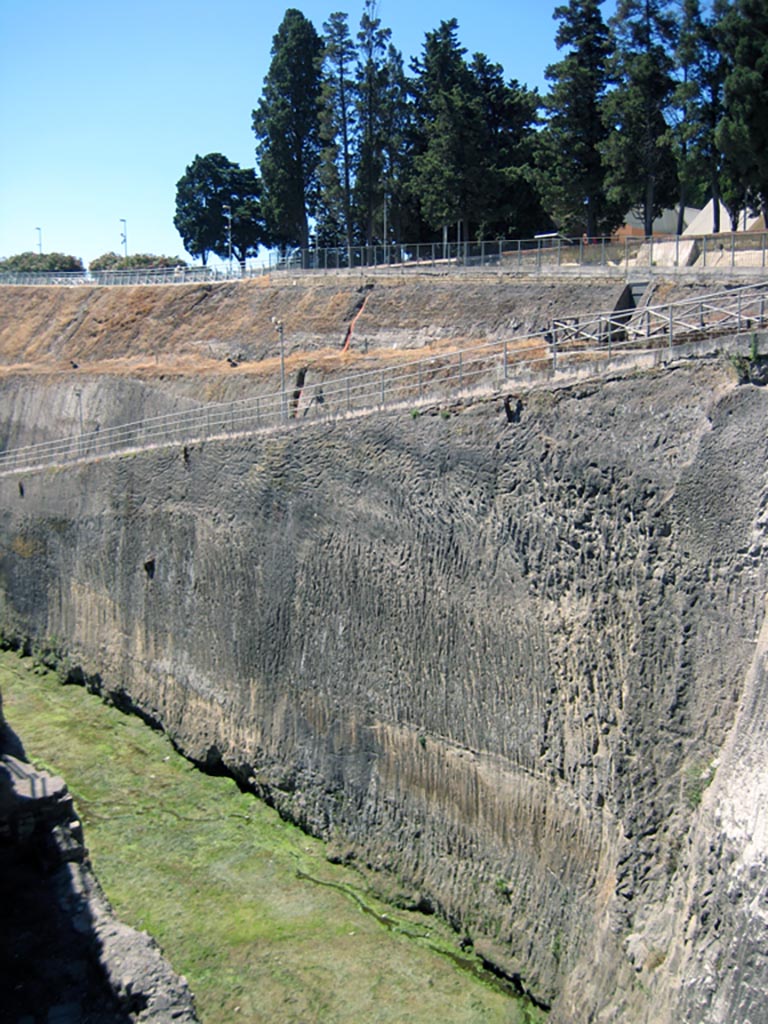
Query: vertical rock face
<point x="501" y="662"/>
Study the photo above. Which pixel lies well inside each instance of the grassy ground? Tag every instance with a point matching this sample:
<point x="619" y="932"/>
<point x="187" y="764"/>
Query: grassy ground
<point x="243" y="904"/>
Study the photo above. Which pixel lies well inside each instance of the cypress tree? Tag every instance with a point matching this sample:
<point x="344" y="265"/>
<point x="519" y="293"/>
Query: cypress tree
<point x="287" y="131"/>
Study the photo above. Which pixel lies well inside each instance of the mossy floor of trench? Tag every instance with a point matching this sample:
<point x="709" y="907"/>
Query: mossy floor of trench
<point x="220" y="881"/>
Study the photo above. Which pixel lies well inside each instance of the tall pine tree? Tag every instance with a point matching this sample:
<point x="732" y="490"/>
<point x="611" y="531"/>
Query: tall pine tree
<point x="287" y="132"/>
<point x="640" y="165"/>
<point x="742" y="133"/>
<point x="373" y="102"/>
<point x="571" y="176"/>
<point x="337" y="120"/>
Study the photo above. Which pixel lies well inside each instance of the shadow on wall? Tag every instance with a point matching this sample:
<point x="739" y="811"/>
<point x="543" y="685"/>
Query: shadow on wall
<point x="48" y="950"/>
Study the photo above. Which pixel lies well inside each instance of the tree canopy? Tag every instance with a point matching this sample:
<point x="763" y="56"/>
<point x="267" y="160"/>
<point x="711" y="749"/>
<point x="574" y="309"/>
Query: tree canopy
<point x="218" y="209"/>
<point x="136" y="261"/>
<point x="286" y="125"/>
<point x="46" y="262"/>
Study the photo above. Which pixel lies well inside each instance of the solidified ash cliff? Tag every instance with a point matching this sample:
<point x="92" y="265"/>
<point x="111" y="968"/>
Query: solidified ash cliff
<point x="518" y="667"/>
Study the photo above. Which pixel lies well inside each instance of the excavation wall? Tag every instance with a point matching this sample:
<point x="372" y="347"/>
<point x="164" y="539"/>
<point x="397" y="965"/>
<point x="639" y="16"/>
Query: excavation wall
<point x="518" y="668"/>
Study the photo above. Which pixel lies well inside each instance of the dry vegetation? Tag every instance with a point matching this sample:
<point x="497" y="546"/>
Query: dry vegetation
<point x="202" y="329"/>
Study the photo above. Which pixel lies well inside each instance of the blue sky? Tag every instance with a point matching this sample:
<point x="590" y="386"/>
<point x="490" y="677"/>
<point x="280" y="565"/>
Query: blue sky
<point x="103" y="104"/>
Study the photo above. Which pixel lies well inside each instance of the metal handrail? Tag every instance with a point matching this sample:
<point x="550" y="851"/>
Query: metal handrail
<point x="413" y="383"/>
<point x="743" y="250"/>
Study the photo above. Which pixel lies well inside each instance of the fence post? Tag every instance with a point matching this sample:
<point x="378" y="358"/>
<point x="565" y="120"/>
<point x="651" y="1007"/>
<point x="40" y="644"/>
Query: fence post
<point x="671" y="331"/>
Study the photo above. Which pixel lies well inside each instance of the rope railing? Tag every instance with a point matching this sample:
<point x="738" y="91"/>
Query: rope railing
<point x="440" y="377"/>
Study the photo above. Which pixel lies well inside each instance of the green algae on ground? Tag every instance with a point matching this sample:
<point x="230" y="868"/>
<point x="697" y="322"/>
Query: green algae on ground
<point x="229" y="890"/>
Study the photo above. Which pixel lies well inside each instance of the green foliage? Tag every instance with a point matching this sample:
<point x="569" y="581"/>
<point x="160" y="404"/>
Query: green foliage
<point x="47" y="262"/>
<point x="637" y="151"/>
<point x="336" y="125"/>
<point x="286" y="126"/>
<point x="473" y="160"/>
<point x="217" y="206"/>
<point x="742" y="133"/>
<point x="136" y="261"/>
<point x="697" y="778"/>
<point x="570" y="168"/>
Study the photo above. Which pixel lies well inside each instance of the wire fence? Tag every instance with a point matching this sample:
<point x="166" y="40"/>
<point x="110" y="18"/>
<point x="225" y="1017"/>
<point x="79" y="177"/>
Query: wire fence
<point x="740" y="250"/>
<point x="586" y="345"/>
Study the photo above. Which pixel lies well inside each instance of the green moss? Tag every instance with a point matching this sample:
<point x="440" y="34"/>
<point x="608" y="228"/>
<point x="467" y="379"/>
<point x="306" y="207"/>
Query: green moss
<point x="244" y="904"/>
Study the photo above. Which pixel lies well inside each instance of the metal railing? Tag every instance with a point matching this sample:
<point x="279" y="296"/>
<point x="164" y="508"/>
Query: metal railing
<point x="743" y="251"/>
<point x="438" y="380"/>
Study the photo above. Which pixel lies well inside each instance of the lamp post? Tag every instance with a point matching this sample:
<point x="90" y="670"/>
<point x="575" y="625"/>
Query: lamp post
<point x="228" y="214"/>
<point x="279" y="328"/>
<point x="124" y="236"/>
<point x="39" y="241"/>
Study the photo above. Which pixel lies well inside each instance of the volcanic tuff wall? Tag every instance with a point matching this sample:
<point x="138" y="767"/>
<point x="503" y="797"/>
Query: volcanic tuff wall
<point x="518" y="667"/>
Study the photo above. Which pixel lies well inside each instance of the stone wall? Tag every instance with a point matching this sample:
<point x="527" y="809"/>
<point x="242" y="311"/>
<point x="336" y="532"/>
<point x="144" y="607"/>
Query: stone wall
<point x="494" y="662"/>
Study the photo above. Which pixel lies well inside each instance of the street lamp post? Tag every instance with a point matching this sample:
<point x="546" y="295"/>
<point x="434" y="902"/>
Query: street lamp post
<point x="39" y="241"/>
<point x="279" y="328"/>
<point x="124" y="236"/>
<point x="228" y="215"/>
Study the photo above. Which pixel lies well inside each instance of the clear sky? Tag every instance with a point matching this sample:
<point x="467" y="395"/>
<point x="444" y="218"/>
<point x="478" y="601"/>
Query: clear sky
<point x="104" y="104"/>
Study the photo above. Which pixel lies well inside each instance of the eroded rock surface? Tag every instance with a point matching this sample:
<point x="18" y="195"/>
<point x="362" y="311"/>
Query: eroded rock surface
<point x="516" y="666"/>
<point x="65" y="957"/>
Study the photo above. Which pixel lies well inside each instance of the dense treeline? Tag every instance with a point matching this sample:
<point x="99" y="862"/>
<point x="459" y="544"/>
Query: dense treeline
<point x="664" y="104"/>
